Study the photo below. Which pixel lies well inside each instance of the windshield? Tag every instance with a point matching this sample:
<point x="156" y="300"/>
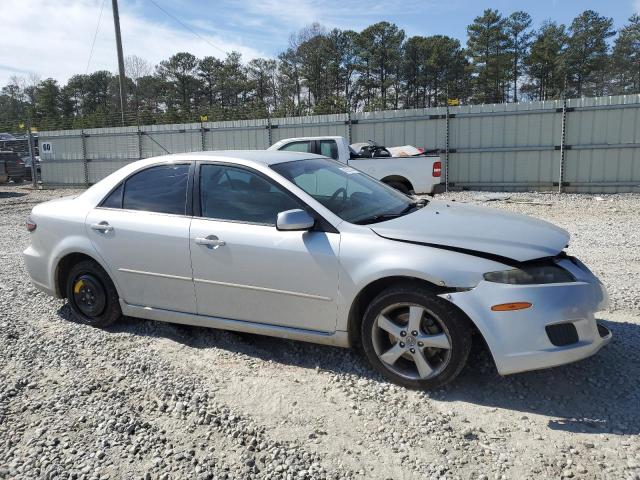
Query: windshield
<point x="347" y="192"/>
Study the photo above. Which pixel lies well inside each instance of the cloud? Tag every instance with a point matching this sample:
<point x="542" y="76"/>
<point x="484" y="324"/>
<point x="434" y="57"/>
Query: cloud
<point x="53" y="39"/>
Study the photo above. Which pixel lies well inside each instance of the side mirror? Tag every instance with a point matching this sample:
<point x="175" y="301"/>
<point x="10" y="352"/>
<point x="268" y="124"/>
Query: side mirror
<point x="294" y="220"/>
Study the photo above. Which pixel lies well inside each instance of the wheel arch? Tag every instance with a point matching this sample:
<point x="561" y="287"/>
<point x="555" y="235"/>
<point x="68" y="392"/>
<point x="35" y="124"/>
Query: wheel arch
<point x="399" y="179"/>
<point x="372" y="289"/>
<point x="64" y="265"/>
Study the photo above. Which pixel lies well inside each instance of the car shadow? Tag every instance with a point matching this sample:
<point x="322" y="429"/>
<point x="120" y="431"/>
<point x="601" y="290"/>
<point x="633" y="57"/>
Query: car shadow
<point x="12" y="194"/>
<point x="598" y="395"/>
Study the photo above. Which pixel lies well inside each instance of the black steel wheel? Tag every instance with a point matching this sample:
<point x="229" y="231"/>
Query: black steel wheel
<point x="91" y="294"/>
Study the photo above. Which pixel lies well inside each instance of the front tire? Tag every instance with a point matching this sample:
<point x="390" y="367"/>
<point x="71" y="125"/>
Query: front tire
<point x="414" y="338"/>
<point x="92" y="296"/>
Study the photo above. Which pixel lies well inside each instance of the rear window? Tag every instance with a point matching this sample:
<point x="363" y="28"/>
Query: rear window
<point x="161" y="189"/>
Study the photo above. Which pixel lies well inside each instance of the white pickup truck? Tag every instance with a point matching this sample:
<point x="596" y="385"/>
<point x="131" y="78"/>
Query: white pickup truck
<point x="408" y="173"/>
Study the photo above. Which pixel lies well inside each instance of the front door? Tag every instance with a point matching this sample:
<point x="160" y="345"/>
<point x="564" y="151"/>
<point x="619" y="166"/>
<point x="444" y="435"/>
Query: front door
<point x="246" y="269"/>
<point x="141" y="231"/>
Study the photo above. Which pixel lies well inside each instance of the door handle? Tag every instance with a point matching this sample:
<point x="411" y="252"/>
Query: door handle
<point x="103" y="227"/>
<point x="210" y="242"/>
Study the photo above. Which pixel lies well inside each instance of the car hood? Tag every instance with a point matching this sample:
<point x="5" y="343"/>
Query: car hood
<point x="477" y="229"/>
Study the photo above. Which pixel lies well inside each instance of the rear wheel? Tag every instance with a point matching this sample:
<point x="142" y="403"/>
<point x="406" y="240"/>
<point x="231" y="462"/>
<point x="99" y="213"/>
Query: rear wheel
<point x="414" y="338"/>
<point x="91" y="294"/>
<point x="399" y="186"/>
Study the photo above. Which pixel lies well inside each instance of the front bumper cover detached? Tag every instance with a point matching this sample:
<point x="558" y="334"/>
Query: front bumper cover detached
<point x="520" y="340"/>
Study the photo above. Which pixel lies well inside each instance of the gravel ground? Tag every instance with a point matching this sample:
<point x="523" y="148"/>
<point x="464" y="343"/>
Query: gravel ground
<point x="151" y="400"/>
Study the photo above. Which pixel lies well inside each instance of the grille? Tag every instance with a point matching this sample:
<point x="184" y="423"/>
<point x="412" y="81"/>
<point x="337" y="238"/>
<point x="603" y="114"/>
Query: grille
<point x="562" y="334"/>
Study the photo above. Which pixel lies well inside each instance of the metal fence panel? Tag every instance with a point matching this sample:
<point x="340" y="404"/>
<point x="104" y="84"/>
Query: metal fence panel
<point x="316" y="126"/>
<point x="423" y="127"/>
<point x="236" y="135"/>
<point x="502" y="146"/>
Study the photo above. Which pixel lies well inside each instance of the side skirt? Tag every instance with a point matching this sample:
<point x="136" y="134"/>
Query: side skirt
<point x="336" y="339"/>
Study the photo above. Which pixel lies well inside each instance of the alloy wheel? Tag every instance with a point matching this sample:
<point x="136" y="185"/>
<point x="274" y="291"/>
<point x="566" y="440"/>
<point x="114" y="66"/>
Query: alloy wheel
<point x="411" y="341"/>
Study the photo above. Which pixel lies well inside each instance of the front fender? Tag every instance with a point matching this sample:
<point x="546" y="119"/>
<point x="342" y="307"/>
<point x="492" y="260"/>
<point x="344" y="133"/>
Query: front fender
<point x="366" y="258"/>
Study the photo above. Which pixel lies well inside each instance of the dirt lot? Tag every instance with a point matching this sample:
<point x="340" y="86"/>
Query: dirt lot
<point x="151" y="400"/>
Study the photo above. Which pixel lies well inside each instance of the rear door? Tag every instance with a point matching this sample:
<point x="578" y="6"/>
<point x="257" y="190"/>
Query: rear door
<point x="141" y="231"/>
<point x="244" y="268"/>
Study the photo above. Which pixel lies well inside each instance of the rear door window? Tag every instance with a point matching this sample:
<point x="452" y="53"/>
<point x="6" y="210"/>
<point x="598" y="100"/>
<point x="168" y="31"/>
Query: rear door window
<point x="329" y="148"/>
<point x="304" y="146"/>
<point x="161" y="189"/>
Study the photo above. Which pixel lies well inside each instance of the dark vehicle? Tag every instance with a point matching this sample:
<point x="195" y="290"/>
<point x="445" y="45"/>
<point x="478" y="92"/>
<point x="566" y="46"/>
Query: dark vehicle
<point x="6" y="136"/>
<point x="3" y="172"/>
<point x="14" y="166"/>
<point x="28" y="175"/>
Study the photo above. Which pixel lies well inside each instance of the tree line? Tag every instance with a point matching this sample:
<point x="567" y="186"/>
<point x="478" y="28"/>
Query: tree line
<point x="322" y="71"/>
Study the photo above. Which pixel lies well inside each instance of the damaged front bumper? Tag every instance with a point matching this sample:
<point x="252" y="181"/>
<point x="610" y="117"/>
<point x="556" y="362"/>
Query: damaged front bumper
<point x="559" y="328"/>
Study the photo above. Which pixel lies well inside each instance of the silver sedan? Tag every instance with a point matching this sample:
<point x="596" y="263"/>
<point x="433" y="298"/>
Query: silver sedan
<point x="299" y="246"/>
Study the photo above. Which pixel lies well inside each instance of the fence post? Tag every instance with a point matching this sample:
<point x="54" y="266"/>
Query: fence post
<point x="85" y="164"/>
<point x="562" y="144"/>
<point x="139" y="143"/>
<point x="269" y="129"/>
<point x="446" y="153"/>
<point x="34" y="169"/>
<point x="202" y="137"/>
<point x="349" y="129"/>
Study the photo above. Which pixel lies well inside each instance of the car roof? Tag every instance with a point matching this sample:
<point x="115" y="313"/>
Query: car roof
<point x="241" y="157"/>
<point x="265" y="157"/>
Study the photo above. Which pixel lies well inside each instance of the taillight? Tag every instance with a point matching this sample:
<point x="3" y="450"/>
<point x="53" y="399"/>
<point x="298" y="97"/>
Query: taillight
<point x="31" y="225"/>
<point x="437" y="169"/>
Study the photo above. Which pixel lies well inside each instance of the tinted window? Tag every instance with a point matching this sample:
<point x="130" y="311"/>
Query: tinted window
<point x="114" y="200"/>
<point x="329" y="148"/>
<point x="298" y="147"/>
<point x="158" y="189"/>
<point x="231" y="193"/>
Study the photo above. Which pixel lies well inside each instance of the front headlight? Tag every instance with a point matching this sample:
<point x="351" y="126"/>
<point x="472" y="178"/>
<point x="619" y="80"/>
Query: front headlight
<point x="531" y="275"/>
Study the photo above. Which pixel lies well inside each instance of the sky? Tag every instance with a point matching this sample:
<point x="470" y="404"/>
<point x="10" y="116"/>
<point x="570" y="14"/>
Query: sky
<point x="53" y="38"/>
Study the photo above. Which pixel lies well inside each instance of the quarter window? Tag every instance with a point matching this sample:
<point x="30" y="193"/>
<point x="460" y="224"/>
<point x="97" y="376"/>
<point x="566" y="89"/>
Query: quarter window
<point x="237" y="194"/>
<point x="114" y="200"/>
<point x="161" y="189"/>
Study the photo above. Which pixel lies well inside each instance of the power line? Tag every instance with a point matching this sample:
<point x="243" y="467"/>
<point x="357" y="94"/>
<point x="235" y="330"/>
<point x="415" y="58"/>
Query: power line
<point x="95" y="35"/>
<point x="189" y="28"/>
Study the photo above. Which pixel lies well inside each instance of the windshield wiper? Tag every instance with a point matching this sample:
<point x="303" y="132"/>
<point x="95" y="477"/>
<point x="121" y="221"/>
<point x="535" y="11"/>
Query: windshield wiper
<point x="385" y="216"/>
<point x="417" y="204"/>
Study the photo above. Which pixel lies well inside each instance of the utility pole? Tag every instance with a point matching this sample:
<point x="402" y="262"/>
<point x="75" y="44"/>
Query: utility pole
<point x="116" y="23"/>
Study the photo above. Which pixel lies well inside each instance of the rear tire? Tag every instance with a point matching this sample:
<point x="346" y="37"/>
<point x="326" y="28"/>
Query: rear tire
<point x="401" y="187"/>
<point x="91" y="295"/>
<point x="414" y="338"/>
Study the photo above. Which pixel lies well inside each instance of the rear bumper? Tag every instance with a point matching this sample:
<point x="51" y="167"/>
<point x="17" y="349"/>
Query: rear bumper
<point x="37" y="268"/>
<point x="519" y="340"/>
